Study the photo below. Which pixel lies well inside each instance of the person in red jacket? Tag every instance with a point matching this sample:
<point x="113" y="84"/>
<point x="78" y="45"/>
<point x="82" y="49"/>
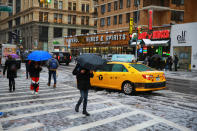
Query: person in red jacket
<point x="34" y="72"/>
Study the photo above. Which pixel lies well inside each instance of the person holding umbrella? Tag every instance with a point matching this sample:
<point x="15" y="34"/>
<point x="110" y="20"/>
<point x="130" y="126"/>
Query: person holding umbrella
<point x="83" y="84"/>
<point x="86" y="63"/>
<point x="11" y="67"/>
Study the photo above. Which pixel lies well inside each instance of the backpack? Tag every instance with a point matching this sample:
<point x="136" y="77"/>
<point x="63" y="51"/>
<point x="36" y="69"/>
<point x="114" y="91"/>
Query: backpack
<point x="53" y="64"/>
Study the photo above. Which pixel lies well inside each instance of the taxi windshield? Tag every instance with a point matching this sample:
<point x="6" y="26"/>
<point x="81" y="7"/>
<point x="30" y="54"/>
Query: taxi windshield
<point x="141" y="67"/>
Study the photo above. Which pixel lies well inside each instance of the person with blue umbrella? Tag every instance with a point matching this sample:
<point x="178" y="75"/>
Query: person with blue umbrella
<point x="36" y="57"/>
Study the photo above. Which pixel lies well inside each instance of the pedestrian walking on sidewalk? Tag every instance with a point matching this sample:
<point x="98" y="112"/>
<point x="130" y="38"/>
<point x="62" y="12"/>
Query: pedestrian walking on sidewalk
<point x="34" y="72"/>
<point x="52" y="65"/>
<point x="176" y="60"/>
<point x="83" y="84"/>
<point x="11" y="67"/>
<point x="169" y="63"/>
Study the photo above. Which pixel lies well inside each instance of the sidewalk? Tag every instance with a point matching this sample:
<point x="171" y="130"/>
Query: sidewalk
<point x="184" y="75"/>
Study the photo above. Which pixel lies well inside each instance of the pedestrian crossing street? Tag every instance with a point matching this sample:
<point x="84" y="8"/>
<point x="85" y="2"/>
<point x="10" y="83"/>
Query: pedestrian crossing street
<point x="53" y="109"/>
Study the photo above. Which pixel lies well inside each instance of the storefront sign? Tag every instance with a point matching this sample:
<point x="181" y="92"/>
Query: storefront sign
<point x="150" y="19"/>
<point x="181" y="38"/>
<point x="164" y="34"/>
<point x="131" y="26"/>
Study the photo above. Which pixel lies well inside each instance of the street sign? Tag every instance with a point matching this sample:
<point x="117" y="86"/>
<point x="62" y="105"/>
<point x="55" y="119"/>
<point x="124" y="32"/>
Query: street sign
<point x="5" y="8"/>
<point x="131" y="26"/>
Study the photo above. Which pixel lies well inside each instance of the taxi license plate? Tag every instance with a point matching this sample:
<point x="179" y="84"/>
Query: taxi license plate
<point x="157" y="79"/>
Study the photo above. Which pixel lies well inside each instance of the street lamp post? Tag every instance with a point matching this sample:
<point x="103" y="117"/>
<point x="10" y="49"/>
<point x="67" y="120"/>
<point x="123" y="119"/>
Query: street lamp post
<point x="137" y="31"/>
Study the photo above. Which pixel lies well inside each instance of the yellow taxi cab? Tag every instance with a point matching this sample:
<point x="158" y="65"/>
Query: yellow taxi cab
<point x="128" y="77"/>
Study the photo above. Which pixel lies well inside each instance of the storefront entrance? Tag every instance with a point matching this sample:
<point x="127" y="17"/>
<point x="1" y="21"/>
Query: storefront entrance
<point x="184" y="55"/>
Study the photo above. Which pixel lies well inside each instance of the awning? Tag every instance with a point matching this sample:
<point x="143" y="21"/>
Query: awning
<point x="148" y="42"/>
<point x="134" y="43"/>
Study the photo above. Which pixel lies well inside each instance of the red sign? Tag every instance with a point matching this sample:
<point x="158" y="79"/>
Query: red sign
<point x="150" y="19"/>
<point x="163" y="34"/>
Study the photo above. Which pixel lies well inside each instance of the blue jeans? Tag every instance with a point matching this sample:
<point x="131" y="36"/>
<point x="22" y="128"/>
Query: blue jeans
<point x="54" y="77"/>
<point x="84" y="96"/>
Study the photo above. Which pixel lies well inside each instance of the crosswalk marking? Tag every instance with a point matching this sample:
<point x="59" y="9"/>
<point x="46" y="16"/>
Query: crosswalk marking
<point x="101" y="122"/>
<point x="42" y="112"/>
<point x="27" y="127"/>
<point x="46" y="104"/>
<point x="34" y="114"/>
<point x="94" y="112"/>
<point x="42" y="94"/>
<point x="37" y="99"/>
<point x="142" y="125"/>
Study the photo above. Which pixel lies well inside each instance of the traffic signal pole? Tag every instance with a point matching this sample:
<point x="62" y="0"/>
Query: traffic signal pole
<point x="137" y="30"/>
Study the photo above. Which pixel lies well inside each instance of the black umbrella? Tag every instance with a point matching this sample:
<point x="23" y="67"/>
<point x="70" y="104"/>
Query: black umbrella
<point x="156" y="56"/>
<point x="90" y="61"/>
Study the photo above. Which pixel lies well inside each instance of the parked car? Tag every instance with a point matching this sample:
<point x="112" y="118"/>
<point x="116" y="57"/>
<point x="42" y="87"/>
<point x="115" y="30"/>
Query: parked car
<point x="128" y="77"/>
<point x="63" y="57"/>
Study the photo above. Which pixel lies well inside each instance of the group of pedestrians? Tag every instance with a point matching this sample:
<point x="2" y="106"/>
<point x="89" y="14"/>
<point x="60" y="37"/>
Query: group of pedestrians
<point x="33" y="69"/>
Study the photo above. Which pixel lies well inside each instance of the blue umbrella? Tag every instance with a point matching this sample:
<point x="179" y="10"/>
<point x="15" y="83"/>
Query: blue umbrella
<point x="39" y="55"/>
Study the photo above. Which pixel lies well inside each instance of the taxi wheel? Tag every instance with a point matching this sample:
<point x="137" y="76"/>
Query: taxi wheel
<point x="128" y="88"/>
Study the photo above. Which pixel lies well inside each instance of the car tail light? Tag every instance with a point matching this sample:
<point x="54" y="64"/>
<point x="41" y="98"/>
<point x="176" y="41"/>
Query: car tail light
<point x="164" y="77"/>
<point x="58" y="57"/>
<point x="70" y="57"/>
<point x="148" y="77"/>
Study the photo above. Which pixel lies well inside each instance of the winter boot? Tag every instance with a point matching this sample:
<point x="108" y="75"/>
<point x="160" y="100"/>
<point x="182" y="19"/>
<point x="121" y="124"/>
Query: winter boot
<point x="48" y="84"/>
<point x="54" y="86"/>
<point x="77" y="108"/>
<point x="86" y="113"/>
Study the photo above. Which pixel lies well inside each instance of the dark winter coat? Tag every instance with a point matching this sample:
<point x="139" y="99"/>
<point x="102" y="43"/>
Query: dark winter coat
<point x="83" y="80"/>
<point x="176" y="59"/>
<point x="8" y="66"/>
<point x="34" y="72"/>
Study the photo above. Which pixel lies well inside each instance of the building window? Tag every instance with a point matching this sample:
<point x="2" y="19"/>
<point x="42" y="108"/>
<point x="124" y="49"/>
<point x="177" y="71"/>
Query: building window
<point x="102" y="9"/>
<point x="128" y="3"/>
<point x="71" y="32"/>
<point x="83" y="7"/>
<point x="61" y="5"/>
<point x="74" y="19"/>
<point x="120" y="19"/>
<point x="87" y="20"/>
<point x="95" y="22"/>
<point x="82" y="20"/>
<point x="136" y="2"/>
<point x="115" y="20"/>
<point x="41" y="16"/>
<point x="74" y="6"/>
<point x="115" y="5"/>
<point x="18" y="21"/>
<point x="83" y="31"/>
<point x="108" y="21"/>
<point x="109" y="7"/>
<point x="69" y="5"/>
<point x="55" y="18"/>
<point x="87" y="8"/>
<point x="178" y="2"/>
<point x="18" y="6"/>
<point x="57" y="32"/>
<point x="69" y="19"/>
<point x="43" y="33"/>
<point x="55" y="4"/>
<point x="45" y="16"/>
<point x="135" y="14"/>
<point x="120" y="4"/>
<point x="60" y="18"/>
<point x="102" y="22"/>
<point x="127" y="17"/>
<point x="177" y="16"/>
<point x="10" y="24"/>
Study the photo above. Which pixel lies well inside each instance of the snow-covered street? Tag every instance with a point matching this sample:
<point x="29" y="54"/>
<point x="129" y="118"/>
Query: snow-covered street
<point x="53" y="109"/>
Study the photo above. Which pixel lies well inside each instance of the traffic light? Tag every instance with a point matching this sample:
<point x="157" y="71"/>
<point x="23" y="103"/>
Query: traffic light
<point x="139" y="29"/>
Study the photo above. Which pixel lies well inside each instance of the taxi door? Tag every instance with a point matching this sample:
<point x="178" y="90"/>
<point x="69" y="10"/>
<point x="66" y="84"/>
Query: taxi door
<point x="101" y="77"/>
<point x="117" y="75"/>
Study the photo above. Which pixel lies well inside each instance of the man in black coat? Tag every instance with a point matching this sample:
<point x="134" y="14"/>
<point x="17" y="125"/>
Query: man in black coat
<point x="83" y="84"/>
<point x="11" y="67"/>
